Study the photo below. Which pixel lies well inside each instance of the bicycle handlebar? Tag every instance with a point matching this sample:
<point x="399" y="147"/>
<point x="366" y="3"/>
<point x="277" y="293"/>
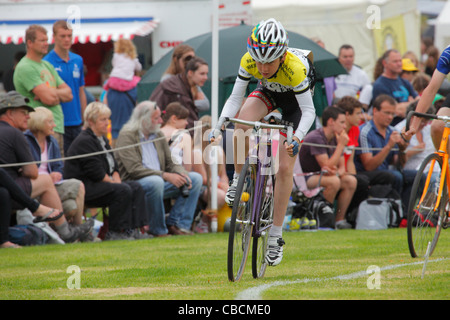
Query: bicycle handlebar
<point x="422" y="115"/>
<point x="259" y="124"/>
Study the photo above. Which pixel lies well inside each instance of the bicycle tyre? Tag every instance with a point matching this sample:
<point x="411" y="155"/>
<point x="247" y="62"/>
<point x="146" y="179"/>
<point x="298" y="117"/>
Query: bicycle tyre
<point x="241" y="226"/>
<point x="424" y="224"/>
<point x="264" y="223"/>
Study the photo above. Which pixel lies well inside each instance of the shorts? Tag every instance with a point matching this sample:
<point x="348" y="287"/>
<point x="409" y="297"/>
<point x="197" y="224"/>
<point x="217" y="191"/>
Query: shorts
<point x="24" y="184"/>
<point x="68" y="192"/>
<point x="285" y="101"/>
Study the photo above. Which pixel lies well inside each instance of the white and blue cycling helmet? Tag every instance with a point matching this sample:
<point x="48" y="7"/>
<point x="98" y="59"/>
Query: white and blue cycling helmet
<point x="268" y="41"/>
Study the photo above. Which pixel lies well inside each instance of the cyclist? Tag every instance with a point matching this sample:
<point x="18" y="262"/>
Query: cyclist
<point x="428" y="95"/>
<point x="286" y="80"/>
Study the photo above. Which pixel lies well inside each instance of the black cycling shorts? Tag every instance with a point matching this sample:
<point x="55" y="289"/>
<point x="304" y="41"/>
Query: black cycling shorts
<point x="285" y="101"/>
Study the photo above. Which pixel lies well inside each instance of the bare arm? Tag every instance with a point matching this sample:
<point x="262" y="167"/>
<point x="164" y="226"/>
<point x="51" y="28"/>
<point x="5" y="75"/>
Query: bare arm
<point x="30" y="171"/>
<point x="351" y="164"/>
<point x="64" y="93"/>
<point x="83" y="101"/>
<point x="52" y="96"/>
<point x="371" y="162"/>
<point x="426" y="100"/>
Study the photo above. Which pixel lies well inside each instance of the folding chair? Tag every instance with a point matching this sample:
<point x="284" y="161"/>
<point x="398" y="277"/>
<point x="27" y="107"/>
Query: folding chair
<point x="300" y="181"/>
<point x="303" y="197"/>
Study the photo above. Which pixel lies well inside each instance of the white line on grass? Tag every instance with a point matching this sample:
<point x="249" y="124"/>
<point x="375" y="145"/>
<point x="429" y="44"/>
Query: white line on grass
<point x="256" y="292"/>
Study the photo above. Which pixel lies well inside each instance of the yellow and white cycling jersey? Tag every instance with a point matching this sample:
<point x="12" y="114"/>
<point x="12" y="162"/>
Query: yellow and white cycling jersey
<point x="292" y="75"/>
<point x="288" y="89"/>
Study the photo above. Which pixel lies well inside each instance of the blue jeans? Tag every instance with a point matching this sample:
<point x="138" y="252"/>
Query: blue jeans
<point x="182" y="212"/>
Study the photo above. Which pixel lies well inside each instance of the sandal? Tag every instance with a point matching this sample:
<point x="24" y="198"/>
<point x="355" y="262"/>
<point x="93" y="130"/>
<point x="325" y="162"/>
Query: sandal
<point x="10" y="245"/>
<point x="47" y="218"/>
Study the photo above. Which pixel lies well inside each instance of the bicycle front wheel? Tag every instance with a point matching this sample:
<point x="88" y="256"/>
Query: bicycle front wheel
<point x="426" y="210"/>
<point x="241" y="225"/>
<point x="264" y="223"/>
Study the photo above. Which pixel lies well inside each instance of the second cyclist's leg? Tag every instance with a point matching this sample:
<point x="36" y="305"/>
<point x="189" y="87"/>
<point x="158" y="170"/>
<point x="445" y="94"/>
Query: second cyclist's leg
<point x="282" y="192"/>
<point x="252" y="110"/>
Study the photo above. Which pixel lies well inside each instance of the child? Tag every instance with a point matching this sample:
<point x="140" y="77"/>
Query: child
<point x="180" y="142"/>
<point x="202" y="151"/>
<point x="125" y="64"/>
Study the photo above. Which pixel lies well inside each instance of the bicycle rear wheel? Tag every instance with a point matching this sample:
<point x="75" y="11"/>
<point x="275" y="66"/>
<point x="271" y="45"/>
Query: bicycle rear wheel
<point x="264" y="223"/>
<point x="424" y="222"/>
<point x="241" y="224"/>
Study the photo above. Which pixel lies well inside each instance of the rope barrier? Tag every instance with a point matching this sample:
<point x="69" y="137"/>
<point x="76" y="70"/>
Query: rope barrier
<point x="161" y="138"/>
<point x="85" y="155"/>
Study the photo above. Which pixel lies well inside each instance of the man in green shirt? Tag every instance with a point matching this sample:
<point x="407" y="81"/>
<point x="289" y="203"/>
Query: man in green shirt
<point x="38" y="80"/>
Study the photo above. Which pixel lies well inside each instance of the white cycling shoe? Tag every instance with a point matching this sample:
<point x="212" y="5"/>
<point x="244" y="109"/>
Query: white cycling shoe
<point x="231" y="192"/>
<point x="274" y="253"/>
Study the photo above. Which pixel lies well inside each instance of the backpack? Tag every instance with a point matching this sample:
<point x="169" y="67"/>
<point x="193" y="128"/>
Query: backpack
<point x="27" y="235"/>
<point x="314" y="208"/>
<point x="377" y="214"/>
<point x="323" y="212"/>
<point x="382" y="210"/>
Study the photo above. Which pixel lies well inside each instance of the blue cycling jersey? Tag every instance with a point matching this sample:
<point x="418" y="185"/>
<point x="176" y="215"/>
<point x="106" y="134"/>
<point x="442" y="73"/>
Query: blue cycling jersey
<point x="443" y="64"/>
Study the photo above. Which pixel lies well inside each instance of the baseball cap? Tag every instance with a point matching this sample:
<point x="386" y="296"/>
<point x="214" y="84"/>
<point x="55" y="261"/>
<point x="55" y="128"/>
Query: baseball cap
<point x="13" y="99"/>
<point x="408" y="65"/>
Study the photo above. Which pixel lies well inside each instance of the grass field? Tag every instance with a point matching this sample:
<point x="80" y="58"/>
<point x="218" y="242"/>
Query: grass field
<point x="324" y="265"/>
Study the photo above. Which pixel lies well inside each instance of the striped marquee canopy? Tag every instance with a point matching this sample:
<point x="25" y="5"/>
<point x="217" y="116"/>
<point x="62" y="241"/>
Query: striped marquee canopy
<point x="84" y="30"/>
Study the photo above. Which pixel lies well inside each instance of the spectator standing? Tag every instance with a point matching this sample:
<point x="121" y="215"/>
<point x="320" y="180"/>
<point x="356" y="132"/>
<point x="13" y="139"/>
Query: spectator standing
<point x="99" y="173"/>
<point x="38" y="80"/>
<point x="180" y="57"/>
<point x="392" y="84"/>
<point x="69" y="66"/>
<point x="8" y="83"/>
<point x="150" y="163"/>
<point x="352" y="83"/>
<point x="121" y="93"/>
<point x="327" y="155"/>
<point x="183" y="88"/>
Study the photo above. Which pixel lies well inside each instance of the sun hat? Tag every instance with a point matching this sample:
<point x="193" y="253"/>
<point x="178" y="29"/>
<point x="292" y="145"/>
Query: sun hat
<point x="13" y="99"/>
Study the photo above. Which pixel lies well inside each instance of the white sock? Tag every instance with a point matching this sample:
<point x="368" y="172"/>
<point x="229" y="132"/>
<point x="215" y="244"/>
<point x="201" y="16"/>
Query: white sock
<point x="276" y="231"/>
<point x="236" y="175"/>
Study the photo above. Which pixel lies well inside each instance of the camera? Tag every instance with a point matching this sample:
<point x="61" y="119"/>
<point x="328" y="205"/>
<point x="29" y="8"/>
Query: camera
<point x="184" y="189"/>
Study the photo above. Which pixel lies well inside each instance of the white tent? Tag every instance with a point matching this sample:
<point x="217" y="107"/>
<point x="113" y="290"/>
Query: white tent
<point x="370" y="26"/>
<point x="442" y="28"/>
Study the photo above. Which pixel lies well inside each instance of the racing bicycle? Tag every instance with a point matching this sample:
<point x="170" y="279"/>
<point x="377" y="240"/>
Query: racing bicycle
<point x="252" y="212"/>
<point x="428" y="210"/>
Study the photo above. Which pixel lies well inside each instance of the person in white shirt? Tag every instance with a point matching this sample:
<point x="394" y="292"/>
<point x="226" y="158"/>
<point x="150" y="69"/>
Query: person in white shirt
<point x="352" y="83"/>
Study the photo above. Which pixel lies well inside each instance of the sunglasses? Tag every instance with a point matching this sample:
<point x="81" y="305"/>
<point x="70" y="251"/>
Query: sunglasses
<point x="187" y="58"/>
<point x="24" y="111"/>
